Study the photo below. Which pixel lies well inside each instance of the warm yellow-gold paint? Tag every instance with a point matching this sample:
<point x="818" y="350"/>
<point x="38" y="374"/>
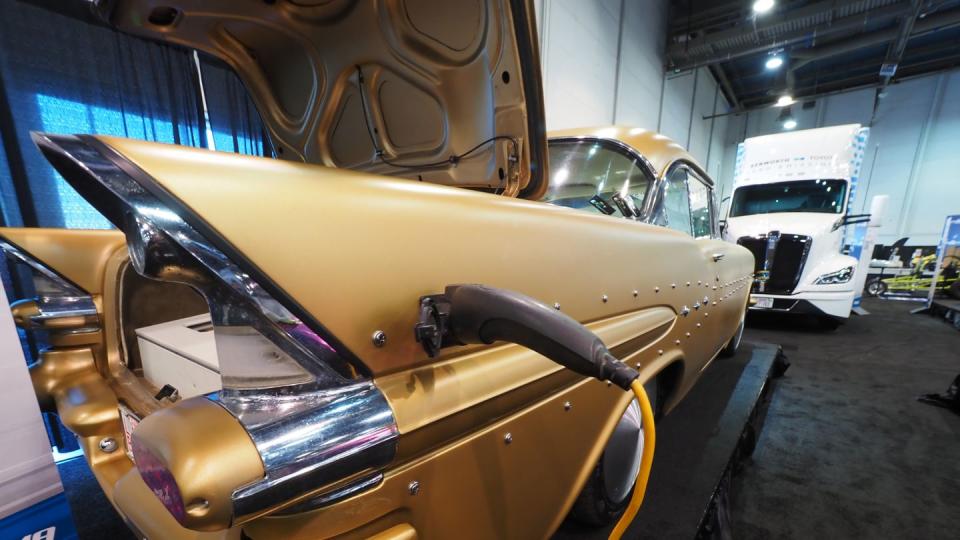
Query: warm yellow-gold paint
<point x="77" y="255"/>
<point x="209" y="454"/>
<point x="340" y="243"/>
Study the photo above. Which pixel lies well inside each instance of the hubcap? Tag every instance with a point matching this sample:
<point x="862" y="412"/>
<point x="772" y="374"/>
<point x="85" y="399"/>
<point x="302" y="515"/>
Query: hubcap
<point x="621" y="458"/>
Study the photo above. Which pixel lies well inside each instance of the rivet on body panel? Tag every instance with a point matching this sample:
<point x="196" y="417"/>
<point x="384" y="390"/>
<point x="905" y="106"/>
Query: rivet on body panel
<point x="413" y="487"/>
<point x="604" y="298"/>
<point x="673" y="285"/>
<point x="660" y="352"/>
<point x="688" y="284"/>
<point x="379" y="338"/>
<point x="698" y="325"/>
<point x="656" y="289"/>
<point x="636" y="293"/>
<point x="567" y="405"/>
<point x="108" y="444"/>
<point x="688" y="334"/>
<point x="556" y="305"/>
<point x="508" y="438"/>
<point x="677" y="342"/>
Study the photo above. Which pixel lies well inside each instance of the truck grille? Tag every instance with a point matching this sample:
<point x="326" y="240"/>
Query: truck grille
<point x="789" y="255"/>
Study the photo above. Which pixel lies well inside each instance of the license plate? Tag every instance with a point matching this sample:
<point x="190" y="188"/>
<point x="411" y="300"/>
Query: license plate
<point x="763" y="302"/>
<point x="130" y="421"/>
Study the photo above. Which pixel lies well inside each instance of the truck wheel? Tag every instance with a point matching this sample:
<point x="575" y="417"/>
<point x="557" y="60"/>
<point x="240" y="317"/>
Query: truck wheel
<point x="875" y="287"/>
<point x="954" y="290"/>
<point x="734" y="344"/>
<point x="829" y="323"/>
<point x="610" y="485"/>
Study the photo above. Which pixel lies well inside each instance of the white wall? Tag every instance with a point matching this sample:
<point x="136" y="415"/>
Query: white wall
<point x="913" y="154"/>
<point x="603" y="64"/>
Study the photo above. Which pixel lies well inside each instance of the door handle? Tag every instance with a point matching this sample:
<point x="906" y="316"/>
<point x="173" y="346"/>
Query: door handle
<point x="718" y="256"/>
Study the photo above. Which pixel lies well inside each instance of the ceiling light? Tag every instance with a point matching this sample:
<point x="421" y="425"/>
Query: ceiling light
<point x="784" y="101"/>
<point x="786" y="119"/>
<point x="762" y="6"/>
<point x="774" y="62"/>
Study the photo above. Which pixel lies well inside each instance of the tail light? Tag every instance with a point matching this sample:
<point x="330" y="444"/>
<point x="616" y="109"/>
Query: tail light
<point x="302" y="399"/>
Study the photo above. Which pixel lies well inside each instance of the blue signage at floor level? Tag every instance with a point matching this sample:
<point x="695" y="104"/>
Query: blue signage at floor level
<point x="47" y="520"/>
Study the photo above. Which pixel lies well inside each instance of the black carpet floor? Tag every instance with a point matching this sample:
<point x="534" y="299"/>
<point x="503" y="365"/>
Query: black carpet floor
<point x="847" y="451"/>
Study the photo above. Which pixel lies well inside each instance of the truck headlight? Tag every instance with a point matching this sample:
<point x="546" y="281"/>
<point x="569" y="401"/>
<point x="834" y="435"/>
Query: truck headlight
<point x="840" y="276"/>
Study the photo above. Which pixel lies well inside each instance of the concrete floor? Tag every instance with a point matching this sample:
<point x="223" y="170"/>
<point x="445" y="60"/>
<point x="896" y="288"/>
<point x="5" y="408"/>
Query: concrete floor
<point x="847" y="451"/>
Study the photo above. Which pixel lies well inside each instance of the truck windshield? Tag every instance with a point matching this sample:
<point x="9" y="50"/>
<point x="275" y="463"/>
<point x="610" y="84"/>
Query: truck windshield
<point x="822" y="196"/>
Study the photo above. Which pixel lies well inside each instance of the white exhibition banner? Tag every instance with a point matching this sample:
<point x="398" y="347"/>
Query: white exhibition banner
<point x="28" y="474"/>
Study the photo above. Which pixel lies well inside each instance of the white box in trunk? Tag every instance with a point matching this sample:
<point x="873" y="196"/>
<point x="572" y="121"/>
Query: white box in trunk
<point x="181" y="353"/>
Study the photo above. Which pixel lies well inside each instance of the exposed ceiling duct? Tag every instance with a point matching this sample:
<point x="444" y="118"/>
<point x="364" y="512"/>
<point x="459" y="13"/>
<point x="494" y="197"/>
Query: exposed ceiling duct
<point x="827" y="45"/>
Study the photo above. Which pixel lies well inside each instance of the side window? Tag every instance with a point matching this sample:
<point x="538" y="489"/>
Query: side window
<point x="701" y="207"/>
<point x="674" y="210"/>
<point x="594" y="177"/>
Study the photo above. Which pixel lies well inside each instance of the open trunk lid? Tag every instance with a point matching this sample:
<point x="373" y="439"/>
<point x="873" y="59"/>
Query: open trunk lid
<point x="445" y="91"/>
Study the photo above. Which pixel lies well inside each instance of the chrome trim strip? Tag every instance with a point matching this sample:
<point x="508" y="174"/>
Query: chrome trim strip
<point x="57" y="297"/>
<point x="310" y="440"/>
<point x="333" y="496"/>
<point x="312" y="420"/>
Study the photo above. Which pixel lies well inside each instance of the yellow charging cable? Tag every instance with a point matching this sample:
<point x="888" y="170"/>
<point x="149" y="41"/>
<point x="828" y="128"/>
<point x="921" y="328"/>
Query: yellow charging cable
<point x="646" y="461"/>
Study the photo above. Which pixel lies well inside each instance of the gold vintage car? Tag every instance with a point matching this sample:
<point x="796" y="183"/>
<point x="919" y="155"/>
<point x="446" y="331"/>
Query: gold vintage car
<point x="356" y="388"/>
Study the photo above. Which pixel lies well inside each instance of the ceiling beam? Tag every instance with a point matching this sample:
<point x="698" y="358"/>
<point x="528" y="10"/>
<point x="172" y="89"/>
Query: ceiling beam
<point x="720" y="74"/>
<point x="897" y="46"/>
<point x="932" y="23"/>
<point x="863" y="72"/>
<point x="943" y="65"/>
<point x="679" y="59"/>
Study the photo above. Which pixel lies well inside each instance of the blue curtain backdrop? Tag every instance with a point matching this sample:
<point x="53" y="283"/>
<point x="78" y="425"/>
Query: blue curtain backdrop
<point x="64" y="75"/>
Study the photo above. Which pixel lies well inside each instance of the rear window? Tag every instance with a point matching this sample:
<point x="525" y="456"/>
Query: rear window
<point x="586" y="174"/>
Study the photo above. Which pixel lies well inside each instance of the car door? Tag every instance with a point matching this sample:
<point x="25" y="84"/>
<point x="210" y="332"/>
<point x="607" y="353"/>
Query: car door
<point x="686" y="204"/>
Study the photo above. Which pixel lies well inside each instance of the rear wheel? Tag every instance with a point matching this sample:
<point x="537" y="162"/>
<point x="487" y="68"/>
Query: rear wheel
<point x="734" y="344"/>
<point x="610" y="485"/>
<point x="875" y="287"/>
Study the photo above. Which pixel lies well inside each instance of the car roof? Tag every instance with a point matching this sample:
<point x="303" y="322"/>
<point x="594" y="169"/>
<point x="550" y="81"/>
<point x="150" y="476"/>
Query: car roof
<point x="659" y="150"/>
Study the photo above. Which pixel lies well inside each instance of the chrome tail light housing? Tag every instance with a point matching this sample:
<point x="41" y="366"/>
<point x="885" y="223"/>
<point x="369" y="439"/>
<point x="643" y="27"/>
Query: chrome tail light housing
<point x="57" y="304"/>
<point x="306" y="403"/>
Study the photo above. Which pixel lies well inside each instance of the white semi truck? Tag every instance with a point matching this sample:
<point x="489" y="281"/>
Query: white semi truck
<point x="790" y="206"/>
